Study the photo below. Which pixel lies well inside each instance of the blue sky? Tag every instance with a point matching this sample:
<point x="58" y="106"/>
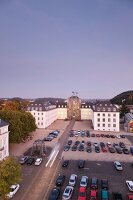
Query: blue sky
<point x="50" y="48"/>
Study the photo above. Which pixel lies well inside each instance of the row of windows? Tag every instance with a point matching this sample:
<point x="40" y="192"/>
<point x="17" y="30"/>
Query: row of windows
<point x="103" y="114"/>
<point x="38" y="113"/>
<point x="40" y="123"/>
<point x="104" y="109"/>
<point x="103" y="119"/>
<point x="109" y="125"/>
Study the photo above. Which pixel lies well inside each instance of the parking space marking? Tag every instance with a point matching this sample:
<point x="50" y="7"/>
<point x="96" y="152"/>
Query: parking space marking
<point x="54" y="158"/>
<point x="51" y="155"/>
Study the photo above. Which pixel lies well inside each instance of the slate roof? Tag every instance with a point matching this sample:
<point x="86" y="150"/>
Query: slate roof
<point x="40" y="106"/>
<point x="104" y="107"/>
<point x="3" y="123"/>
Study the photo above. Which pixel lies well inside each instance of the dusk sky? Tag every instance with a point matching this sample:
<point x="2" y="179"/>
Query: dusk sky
<point x="49" y="48"/>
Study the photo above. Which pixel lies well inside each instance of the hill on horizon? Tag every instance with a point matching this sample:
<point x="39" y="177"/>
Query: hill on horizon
<point x="126" y="97"/>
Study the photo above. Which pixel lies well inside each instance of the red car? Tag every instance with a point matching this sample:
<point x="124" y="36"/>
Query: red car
<point x="93" y="195"/>
<point x="82" y="193"/>
<point x="130" y="196"/>
<point x="104" y="149"/>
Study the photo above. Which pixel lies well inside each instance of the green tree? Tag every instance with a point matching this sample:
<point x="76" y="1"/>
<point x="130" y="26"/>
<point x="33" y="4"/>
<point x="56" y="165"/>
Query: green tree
<point x="10" y="173"/>
<point x="123" y="110"/>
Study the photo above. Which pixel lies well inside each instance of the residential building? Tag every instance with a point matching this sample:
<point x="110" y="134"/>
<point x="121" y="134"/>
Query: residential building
<point x="128" y="125"/>
<point x="4" y="139"/>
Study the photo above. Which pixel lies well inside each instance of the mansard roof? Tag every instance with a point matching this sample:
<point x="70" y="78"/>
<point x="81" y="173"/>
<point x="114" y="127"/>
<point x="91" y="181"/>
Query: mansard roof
<point x="3" y="123"/>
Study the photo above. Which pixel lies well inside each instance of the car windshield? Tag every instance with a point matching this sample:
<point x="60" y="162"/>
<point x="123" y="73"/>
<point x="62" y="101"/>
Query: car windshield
<point x="83" y="182"/>
<point x="82" y="194"/>
<point x="66" y="191"/>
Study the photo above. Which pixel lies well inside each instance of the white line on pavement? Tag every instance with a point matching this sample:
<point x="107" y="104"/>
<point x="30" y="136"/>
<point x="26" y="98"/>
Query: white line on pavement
<point x="54" y="158"/>
<point x="50" y="158"/>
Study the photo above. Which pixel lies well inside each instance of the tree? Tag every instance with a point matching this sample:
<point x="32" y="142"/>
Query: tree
<point x="21" y="123"/>
<point x="123" y="110"/>
<point x="10" y="173"/>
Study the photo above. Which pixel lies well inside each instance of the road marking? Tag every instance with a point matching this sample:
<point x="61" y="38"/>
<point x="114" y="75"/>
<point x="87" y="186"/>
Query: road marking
<point x="54" y="158"/>
<point x="98" y="164"/>
<point x="50" y="158"/>
<point x="86" y="168"/>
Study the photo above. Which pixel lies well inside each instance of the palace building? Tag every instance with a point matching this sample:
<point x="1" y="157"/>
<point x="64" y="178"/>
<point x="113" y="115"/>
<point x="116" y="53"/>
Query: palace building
<point x="104" y="115"/>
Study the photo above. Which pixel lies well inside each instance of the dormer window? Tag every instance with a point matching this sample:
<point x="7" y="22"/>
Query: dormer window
<point x="62" y="106"/>
<point x="58" y="106"/>
<point x="40" y="108"/>
<point x="86" y="106"/>
<point x="65" y="106"/>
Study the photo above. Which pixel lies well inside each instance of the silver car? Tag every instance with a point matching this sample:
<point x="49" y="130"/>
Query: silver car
<point x="84" y="181"/>
<point x="67" y="194"/>
<point x="72" y="180"/>
<point x="118" y="166"/>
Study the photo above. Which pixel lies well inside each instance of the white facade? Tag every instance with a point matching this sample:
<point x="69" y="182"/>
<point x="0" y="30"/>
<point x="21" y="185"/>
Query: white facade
<point x="62" y="113"/>
<point x="4" y="140"/>
<point x="44" y="118"/>
<point x="106" y="121"/>
<point x="86" y="113"/>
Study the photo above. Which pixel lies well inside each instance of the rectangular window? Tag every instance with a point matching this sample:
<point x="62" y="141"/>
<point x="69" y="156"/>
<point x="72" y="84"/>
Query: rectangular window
<point x="114" y="115"/>
<point x="103" y="114"/>
<point x="38" y="118"/>
<point x="98" y="125"/>
<point x="42" y="118"/>
<point x="98" y="114"/>
<point x="103" y="125"/>
<point x="98" y="119"/>
<point x="108" y="115"/>
<point x="41" y="123"/>
<point x="109" y="120"/>
<point x="114" y="120"/>
<point x="38" y="123"/>
<point x="38" y="113"/>
<point x="34" y="113"/>
<point x="42" y="113"/>
<point x="114" y="125"/>
<point x="108" y="125"/>
<point x="103" y="119"/>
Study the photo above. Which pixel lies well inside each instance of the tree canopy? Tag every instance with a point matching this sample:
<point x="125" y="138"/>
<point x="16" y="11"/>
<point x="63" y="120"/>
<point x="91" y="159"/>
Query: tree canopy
<point x="10" y="173"/>
<point x="126" y="97"/>
<point x="21" y="123"/>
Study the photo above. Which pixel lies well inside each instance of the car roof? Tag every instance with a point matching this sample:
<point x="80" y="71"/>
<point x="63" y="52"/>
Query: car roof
<point x="82" y="189"/>
<point x="130" y="182"/>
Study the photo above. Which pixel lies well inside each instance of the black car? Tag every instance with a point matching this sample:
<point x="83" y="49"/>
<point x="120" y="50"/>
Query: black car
<point x="77" y="143"/>
<point x="60" y="180"/>
<point x="71" y="134"/>
<point x="89" y="149"/>
<point x="87" y="133"/>
<point x="54" y="194"/>
<point x="30" y="161"/>
<point x="115" y="145"/>
<point x="69" y="142"/>
<point x="111" y="149"/>
<point x="81" y="163"/>
<point x="88" y="143"/>
<point x="104" y="184"/>
<point x="97" y="149"/>
<point x="125" y="151"/>
<point x="102" y="144"/>
<point x="117" y="196"/>
<point x="66" y="147"/>
<point x="65" y="163"/>
<point x="122" y="145"/>
<point x="74" y="148"/>
<point x="122" y="136"/>
<point x="81" y="147"/>
<point x="118" y="150"/>
<point x="94" y="183"/>
<point x="93" y="135"/>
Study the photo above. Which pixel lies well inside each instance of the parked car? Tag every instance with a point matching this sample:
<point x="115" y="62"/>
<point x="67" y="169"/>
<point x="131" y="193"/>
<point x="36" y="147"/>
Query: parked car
<point x="122" y="145"/>
<point x="69" y="142"/>
<point x="66" y="147"/>
<point x="125" y="151"/>
<point x="49" y="138"/>
<point x="81" y="147"/>
<point x="38" y="161"/>
<point x="82" y="193"/>
<point x="89" y="149"/>
<point x="72" y="180"/>
<point x="131" y="150"/>
<point x="77" y="143"/>
<point x="67" y="194"/>
<point x="93" y="195"/>
<point x="111" y="149"/>
<point x="55" y="192"/>
<point x="93" y="135"/>
<point x="76" y="134"/>
<point x="94" y="183"/>
<point x="82" y="133"/>
<point x="97" y="149"/>
<point x="65" y="163"/>
<point x="118" y="150"/>
<point x="104" y="184"/>
<point x="102" y="144"/>
<point x="23" y="159"/>
<point x="115" y="145"/>
<point x="87" y="134"/>
<point x="30" y="161"/>
<point x="84" y="181"/>
<point x="109" y="144"/>
<point x="88" y="143"/>
<point x="95" y="144"/>
<point x="81" y="163"/>
<point x="130" y="185"/>
<point x="71" y="134"/>
<point x="13" y="191"/>
<point x="60" y="180"/>
<point x="104" y="149"/>
<point x="130" y="196"/>
<point x="74" y="148"/>
<point x="122" y="136"/>
<point x="104" y="195"/>
<point x="118" y="166"/>
<point x="117" y="196"/>
<point x="118" y="136"/>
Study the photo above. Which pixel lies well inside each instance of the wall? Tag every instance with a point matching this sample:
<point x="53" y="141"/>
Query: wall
<point x="62" y="113"/>
<point x="86" y="113"/>
<point x="4" y="142"/>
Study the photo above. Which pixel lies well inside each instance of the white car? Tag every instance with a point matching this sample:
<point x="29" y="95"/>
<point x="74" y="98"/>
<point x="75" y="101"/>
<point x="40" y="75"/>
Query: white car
<point x="118" y="166"/>
<point x="84" y="181"/>
<point x="130" y="185"/>
<point x="72" y="180"/>
<point x="67" y="193"/>
<point x="38" y="161"/>
<point x="14" y="189"/>
<point x="118" y="136"/>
